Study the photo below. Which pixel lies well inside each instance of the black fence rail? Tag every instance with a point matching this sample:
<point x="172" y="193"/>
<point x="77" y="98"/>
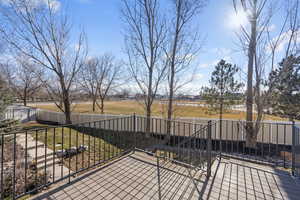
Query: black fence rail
<point x="276" y="143"/>
<point x="181" y="142"/>
<point x="35" y="158"/>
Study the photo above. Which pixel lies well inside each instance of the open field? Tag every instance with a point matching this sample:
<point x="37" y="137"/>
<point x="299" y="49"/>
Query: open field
<point x="130" y="107"/>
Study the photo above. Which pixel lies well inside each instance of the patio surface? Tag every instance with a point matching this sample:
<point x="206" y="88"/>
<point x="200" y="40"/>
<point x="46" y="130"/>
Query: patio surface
<point x="135" y="176"/>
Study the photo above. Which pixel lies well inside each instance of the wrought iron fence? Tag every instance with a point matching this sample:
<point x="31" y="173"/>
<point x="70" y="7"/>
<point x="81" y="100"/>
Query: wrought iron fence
<point x="274" y="142"/>
<point x="277" y="143"/>
<point x="35" y="158"/>
<point x="183" y="142"/>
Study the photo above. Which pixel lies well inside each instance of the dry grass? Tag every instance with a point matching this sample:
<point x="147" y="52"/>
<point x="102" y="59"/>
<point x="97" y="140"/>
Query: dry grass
<point x="67" y="137"/>
<point x="130" y="107"/>
<point x="100" y="147"/>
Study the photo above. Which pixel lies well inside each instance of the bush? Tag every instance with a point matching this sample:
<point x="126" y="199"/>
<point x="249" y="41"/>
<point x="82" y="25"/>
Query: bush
<point x="20" y="187"/>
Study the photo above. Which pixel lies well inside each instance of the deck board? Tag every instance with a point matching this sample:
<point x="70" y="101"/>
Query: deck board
<point x="136" y="177"/>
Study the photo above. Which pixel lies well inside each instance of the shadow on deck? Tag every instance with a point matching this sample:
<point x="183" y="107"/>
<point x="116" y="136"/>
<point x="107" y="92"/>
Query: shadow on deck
<point x="135" y="176"/>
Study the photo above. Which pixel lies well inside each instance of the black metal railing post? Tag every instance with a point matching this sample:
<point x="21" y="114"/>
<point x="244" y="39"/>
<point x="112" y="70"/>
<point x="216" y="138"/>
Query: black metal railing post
<point x="293" y="147"/>
<point x="14" y="166"/>
<point x="220" y="135"/>
<point x="209" y="149"/>
<point x="134" y="130"/>
<point x="158" y="177"/>
<point x="28" y="114"/>
<point x="2" y="167"/>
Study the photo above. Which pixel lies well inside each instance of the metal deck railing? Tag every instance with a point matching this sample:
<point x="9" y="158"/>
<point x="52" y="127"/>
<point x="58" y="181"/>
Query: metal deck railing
<point x="32" y="159"/>
<point x="275" y="142"/>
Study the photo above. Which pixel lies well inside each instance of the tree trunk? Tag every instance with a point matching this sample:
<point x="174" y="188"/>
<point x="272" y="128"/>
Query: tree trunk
<point x="170" y="106"/>
<point x="65" y="101"/>
<point x="169" y="117"/>
<point x="149" y="103"/>
<point x="25" y="98"/>
<point x="172" y="69"/>
<point x="102" y="105"/>
<point x="251" y="138"/>
<point x="259" y="108"/>
<point x="94" y="104"/>
<point x="221" y="122"/>
<point x="67" y="109"/>
<point x="221" y="105"/>
<point x="148" y="120"/>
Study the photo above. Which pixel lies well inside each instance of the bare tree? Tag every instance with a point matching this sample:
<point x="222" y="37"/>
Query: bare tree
<point x="288" y="40"/>
<point x="99" y="77"/>
<point x="259" y="20"/>
<point x="268" y="50"/>
<point x="5" y="96"/>
<point x="110" y="72"/>
<point x="89" y="79"/>
<point x="262" y="51"/>
<point x="26" y="80"/>
<point x="182" y="47"/>
<point x="41" y="33"/>
<point x="144" y="38"/>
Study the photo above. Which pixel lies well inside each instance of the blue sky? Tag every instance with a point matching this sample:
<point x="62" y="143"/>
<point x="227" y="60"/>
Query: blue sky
<point x="102" y="23"/>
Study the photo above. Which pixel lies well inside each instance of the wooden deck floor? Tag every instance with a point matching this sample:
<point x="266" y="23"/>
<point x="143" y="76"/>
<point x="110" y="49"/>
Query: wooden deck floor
<point x="136" y="177"/>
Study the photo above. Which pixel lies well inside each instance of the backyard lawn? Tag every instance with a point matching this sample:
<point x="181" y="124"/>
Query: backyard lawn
<point x="99" y="147"/>
<point x="160" y="110"/>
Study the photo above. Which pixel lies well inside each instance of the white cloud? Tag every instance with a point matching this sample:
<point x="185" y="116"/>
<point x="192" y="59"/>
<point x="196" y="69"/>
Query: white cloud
<point x="192" y="88"/>
<point x="283" y="40"/>
<point x="209" y="65"/>
<point x="76" y="47"/>
<point x="221" y="51"/>
<point x="53" y="4"/>
<point x="198" y="76"/>
<point x="272" y="27"/>
<point x="235" y="20"/>
<point x="6" y="57"/>
<point x="204" y="65"/>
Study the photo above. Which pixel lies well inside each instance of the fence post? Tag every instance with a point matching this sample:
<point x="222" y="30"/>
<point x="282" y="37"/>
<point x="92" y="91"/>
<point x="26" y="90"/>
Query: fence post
<point x="293" y="147"/>
<point x="134" y="129"/>
<point x="158" y="177"/>
<point x="221" y="136"/>
<point x="209" y="149"/>
<point x="28" y="114"/>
